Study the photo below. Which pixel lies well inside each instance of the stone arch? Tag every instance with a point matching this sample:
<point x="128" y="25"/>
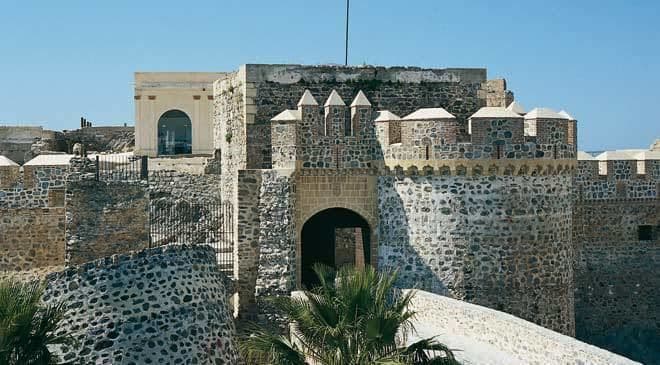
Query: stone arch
<point x="412" y="171"/>
<point x="524" y="170"/>
<point x="334" y="236"/>
<point x="444" y="171"/>
<point x="461" y="170"/>
<point x="174" y="133"/>
<point x="549" y="170"/>
<point x="477" y="170"/>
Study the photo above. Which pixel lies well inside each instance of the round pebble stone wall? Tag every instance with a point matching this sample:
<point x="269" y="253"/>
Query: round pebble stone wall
<point x="165" y="305"/>
<point x="499" y="241"/>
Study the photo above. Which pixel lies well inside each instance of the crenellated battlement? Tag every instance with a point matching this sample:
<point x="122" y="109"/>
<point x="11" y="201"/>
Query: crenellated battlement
<point x="617" y="178"/>
<point x="9" y="172"/>
<point x="336" y="135"/>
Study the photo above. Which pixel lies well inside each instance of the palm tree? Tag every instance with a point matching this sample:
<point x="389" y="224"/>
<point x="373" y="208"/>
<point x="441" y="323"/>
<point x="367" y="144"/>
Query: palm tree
<point x="353" y="317"/>
<point x="26" y="325"/>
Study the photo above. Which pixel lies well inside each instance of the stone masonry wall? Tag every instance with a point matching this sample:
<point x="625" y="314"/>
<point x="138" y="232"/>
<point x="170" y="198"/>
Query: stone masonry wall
<point x="35" y="187"/>
<point x="616" y="281"/>
<point x="105" y="218"/>
<point x="31" y="238"/>
<point x="486" y="336"/>
<point x="266" y="251"/>
<point x="499" y="241"/>
<point x="172" y="185"/>
<point x="32" y="218"/>
<point x="161" y="305"/>
<point x="617" y="297"/>
<point x="401" y="91"/>
<point x="230" y="130"/>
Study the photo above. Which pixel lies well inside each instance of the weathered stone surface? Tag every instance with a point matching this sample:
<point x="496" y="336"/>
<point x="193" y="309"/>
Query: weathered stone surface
<point x="105" y="218"/>
<point x="499" y="241"/>
<point x="161" y="305"/>
<point x="486" y="336"/>
<point x="31" y="238"/>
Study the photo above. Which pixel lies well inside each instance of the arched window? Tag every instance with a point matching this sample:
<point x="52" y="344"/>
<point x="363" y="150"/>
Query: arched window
<point x="174" y="133"/>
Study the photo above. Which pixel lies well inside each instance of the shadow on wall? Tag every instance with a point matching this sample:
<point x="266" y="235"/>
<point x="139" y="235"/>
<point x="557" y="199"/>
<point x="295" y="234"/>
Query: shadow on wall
<point x="318" y="240"/>
<point x="396" y="251"/>
<point x="632" y="341"/>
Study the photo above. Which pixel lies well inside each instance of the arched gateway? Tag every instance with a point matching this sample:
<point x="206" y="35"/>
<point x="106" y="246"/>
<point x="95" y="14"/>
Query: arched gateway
<point x="335" y="237"/>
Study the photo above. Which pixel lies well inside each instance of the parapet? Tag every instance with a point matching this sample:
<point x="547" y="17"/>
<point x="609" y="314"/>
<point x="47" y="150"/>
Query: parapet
<point x="327" y="136"/>
<point x="330" y="136"/>
<point x="291" y="74"/>
<point x="9" y="172"/>
<point x="622" y="165"/>
<point x="624" y="174"/>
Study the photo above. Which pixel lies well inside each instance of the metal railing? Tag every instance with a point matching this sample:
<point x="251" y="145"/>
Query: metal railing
<point x="121" y="167"/>
<point x="181" y="222"/>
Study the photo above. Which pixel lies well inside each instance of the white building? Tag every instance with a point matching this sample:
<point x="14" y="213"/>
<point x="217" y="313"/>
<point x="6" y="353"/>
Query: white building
<point x="174" y="113"/>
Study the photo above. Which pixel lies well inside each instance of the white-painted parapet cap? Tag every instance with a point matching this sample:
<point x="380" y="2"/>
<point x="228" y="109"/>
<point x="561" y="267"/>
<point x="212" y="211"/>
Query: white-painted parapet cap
<point x="566" y="115"/>
<point x="334" y="100"/>
<point x="5" y="161"/>
<point x="543" y="113"/>
<point x="386" y="116"/>
<point x="583" y="156"/>
<point x="633" y="154"/>
<point x="50" y="160"/>
<point x="429" y="114"/>
<point x="288" y="116"/>
<point x="493" y="112"/>
<point x="360" y="100"/>
<point x="516" y="107"/>
<point x="307" y="99"/>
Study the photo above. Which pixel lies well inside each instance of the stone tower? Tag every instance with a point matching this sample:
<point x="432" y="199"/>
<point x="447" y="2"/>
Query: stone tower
<point x="486" y="221"/>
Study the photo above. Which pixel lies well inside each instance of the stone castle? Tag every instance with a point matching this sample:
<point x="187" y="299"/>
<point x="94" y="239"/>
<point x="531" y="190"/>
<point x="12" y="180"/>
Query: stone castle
<point x="437" y="173"/>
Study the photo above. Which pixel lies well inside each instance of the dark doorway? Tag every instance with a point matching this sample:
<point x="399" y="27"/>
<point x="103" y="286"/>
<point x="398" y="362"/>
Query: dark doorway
<point x="318" y="240"/>
<point x="174" y="133"/>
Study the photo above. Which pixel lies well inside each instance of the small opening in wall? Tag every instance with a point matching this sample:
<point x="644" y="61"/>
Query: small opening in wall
<point x="645" y="232"/>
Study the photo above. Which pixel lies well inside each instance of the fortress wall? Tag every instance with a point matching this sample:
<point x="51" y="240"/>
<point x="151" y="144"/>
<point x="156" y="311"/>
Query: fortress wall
<point x="32" y="217"/>
<point x="258" y="150"/>
<point x="161" y="305"/>
<point x="616" y="281"/>
<point x="499" y="241"/>
<point x="470" y="151"/>
<point x="34" y="188"/>
<point x="322" y="140"/>
<point x="105" y="218"/>
<point x="617" y="285"/>
<point x="621" y="180"/>
<point x="265" y="252"/>
<point x="31" y="238"/>
<point x="9" y="178"/>
<point x="229" y="128"/>
<point x="171" y="186"/>
<point x="484" y="335"/>
<point x="273" y="88"/>
<point x="460" y="99"/>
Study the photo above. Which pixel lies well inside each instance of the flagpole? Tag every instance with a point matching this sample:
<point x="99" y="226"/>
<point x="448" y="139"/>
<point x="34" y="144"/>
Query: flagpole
<point x="346" y="50"/>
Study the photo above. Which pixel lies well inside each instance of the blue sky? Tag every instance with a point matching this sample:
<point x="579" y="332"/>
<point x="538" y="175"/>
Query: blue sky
<point x="599" y="60"/>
